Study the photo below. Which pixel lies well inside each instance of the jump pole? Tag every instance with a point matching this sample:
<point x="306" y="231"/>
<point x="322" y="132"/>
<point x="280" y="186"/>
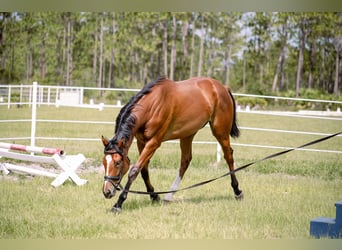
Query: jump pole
<point x="68" y="164"/>
<point x="29" y="170"/>
<point x="31" y="149"/>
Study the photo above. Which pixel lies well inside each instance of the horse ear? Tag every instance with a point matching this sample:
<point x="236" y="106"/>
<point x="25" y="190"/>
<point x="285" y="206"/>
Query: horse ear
<point x="122" y="143"/>
<point x="104" y="141"/>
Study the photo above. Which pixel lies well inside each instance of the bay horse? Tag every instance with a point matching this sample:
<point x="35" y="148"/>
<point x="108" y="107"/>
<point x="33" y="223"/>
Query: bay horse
<point x="165" y="110"/>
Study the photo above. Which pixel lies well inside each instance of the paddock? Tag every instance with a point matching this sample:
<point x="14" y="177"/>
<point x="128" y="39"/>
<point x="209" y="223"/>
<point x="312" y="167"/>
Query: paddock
<point x="282" y="195"/>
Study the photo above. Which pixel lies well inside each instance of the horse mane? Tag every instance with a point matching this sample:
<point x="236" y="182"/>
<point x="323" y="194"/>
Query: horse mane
<point x="125" y="121"/>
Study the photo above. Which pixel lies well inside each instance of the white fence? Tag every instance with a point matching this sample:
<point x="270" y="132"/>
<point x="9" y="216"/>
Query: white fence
<point x="14" y="95"/>
<point x="34" y="95"/>
<point x="17" y="95"/>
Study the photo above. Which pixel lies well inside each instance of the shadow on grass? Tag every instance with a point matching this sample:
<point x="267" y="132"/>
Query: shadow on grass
<point x="137" y="204"/>
<point x="208" y="199"/>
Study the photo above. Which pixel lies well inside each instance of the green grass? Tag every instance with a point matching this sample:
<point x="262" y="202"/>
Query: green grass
<point x="282" y="195"/>
<point x="275" y="206"/>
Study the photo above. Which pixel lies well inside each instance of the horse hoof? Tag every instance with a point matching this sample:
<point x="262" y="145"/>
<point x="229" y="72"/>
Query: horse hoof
<point x="155" y="198"/>
<point x="116" y="210"/>
<point x="239" y="197"/>
<point x="167" y="201"/>
<point x="168" y="197"/>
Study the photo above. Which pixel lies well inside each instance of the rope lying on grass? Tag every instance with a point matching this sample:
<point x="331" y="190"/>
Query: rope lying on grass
<point x="240" y="168"/>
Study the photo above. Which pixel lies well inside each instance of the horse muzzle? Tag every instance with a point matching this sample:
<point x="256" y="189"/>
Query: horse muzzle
<point x="108" y="190"/>
<point x="108" y="194"/>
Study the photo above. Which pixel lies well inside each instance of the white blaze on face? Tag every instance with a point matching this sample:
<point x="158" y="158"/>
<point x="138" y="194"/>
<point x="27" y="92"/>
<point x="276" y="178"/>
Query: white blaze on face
<point x="109" y="160"/>
<point x="108" y="186"/>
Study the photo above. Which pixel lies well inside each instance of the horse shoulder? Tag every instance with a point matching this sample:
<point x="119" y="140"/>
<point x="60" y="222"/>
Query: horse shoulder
<point x="154" y="113"/>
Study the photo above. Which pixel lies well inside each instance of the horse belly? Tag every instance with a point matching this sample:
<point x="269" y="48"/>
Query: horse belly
<point x="185" y="131"/>
<point x="187" y="123"/>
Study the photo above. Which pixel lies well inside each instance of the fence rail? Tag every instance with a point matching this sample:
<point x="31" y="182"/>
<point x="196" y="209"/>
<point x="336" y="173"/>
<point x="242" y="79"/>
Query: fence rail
<point x="12" y="95"/>
<point x="74" y="96"/>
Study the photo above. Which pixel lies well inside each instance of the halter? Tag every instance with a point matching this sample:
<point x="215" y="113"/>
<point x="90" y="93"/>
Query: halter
<point x="111" y="179"/>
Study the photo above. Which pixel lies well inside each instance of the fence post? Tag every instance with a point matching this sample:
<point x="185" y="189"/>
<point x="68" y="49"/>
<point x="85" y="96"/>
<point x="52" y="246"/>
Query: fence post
<point x="81" y="95"/>
<point x="9" y="97"/>
<point x="48" y="97"/>
<point x="21" y="95"/>
<point x="34" y="114"/>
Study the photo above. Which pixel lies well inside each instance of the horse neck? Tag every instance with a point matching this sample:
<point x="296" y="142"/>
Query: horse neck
<point x="128" y="144"/>
<point x="129" y="132"/>
<point x="128" y="141"/>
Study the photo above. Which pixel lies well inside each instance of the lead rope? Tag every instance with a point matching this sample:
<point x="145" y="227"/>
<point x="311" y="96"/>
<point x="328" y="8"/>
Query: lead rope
<point x="239" y="168"/>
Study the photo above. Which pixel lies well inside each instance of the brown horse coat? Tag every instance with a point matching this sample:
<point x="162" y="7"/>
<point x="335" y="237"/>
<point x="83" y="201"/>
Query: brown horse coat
<point x="166" y="110"/>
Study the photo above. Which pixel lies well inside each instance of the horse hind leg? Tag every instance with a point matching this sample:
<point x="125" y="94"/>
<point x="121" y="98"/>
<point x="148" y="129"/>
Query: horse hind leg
<point x="228" y="155"/>
<point x="224" y="140"/>
<point x="186" y="156"/>
<point x="145" y="175"/>
<point x="234" y="183"/>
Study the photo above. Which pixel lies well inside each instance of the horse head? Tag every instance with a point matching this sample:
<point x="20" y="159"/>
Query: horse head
<point x="116" y="164"/>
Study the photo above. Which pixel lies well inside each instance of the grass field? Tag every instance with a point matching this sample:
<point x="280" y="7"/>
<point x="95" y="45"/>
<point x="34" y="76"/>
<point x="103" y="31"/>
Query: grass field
<point x="282" y="195"/>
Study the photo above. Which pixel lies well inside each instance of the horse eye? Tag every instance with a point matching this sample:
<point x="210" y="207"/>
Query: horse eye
<point x="117" y="164"/>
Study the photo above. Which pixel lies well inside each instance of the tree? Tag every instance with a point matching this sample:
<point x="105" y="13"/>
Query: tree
<point x="4" y="30"/>
<point x="302" y="38"/>
<point x="282" y="22"/>
<point x="101" y="55"/>
<point x="231" y="43"/>
<point x="192" y="59"/>
<point x="173" y="46"/>
<point x="185" y="45"/>
<point x="111" y="78"/>
<point x="259" y="47"/>
<point x="164" y="24"/>
<point x="201" y="51"/>
<point x="69" y="27"/>
<point x="338" y="48"/>
<point x="255" y="52"/>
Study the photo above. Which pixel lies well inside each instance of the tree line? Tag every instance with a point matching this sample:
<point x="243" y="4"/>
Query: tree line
<point x="254" y="52"/>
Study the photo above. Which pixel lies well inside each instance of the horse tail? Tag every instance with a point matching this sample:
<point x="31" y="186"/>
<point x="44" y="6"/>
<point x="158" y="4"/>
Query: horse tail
<point x="234" y="132"/>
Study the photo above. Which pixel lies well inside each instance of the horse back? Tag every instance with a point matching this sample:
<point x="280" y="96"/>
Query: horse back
<point x="175" y="110"/>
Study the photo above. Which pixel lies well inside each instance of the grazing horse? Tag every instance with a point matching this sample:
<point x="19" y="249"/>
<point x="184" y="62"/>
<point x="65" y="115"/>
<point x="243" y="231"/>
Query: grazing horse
<point x="166" y="110"/>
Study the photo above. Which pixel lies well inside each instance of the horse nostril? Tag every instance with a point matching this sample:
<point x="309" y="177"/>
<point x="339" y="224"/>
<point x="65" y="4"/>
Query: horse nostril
<point x="108" y="194"/>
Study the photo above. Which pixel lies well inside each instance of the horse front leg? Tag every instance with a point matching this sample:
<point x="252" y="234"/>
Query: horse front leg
<point x="145" y="175"/>
<point x="123" y="196"/>
<point x="149" y="187"/>
<point x="143" y="159"/>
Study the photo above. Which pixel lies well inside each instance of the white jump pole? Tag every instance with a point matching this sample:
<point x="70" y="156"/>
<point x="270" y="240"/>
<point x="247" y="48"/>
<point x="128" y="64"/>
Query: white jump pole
<point x="34" y="114"/>
<point x="30" y="149"/>
<point x="68" y="164"/>
<point x="30" y="170"/>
